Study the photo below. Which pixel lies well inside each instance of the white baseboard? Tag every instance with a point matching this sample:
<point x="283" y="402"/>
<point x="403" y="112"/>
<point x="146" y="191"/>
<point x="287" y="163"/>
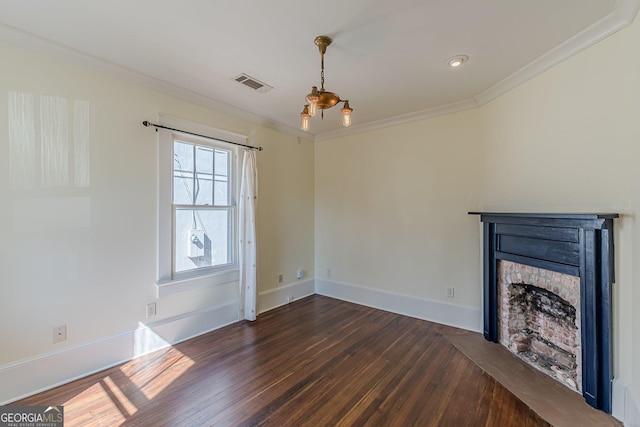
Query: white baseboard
<point x="26" y="377"/>
<point x="435" y="311"/>
<point x="40" y="373"/>
<point x="632" y="413"/>
<point x="618" y="395"/>
<point x="624" y="404"/>
<point x="273" y="298"/>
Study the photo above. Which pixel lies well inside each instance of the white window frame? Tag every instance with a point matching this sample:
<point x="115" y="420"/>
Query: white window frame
<point x="167" y="281"/>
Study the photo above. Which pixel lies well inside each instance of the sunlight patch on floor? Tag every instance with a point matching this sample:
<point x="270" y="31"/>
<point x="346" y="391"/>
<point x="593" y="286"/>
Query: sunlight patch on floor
<point x="159" y="369"/>
<point x="104" y="410"/>
<point x="121" y="392"/>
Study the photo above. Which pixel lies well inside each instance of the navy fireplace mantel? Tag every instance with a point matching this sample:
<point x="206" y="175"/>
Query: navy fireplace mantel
<point x="576" y="244"/>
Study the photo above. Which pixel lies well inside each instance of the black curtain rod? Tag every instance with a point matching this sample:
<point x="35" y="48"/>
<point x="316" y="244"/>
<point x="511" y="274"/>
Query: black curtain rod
<point x="147" y="124"/>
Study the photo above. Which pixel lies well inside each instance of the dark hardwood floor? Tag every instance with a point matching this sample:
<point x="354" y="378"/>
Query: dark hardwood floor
<point x="315" y="362"/>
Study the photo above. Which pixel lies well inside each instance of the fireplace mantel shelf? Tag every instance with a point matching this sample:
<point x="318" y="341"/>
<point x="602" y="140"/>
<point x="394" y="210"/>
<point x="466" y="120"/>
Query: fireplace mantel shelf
<point x="578" y="244"/>
<point x="579" y="216"/>
<point x="576" y="220"/>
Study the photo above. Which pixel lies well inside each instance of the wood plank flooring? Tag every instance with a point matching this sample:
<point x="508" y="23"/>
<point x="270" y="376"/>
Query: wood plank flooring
<point x="315" y="362"/>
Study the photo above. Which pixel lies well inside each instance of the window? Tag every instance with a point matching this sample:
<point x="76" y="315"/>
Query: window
<point x="197" y="215"/>
<point x="203" y="215"/>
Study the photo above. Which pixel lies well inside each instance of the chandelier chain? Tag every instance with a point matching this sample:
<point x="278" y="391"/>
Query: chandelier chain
<point x="322" y="71"/>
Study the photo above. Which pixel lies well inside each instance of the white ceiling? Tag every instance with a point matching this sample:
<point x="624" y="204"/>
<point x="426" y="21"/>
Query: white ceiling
<point x="389" y="58"/>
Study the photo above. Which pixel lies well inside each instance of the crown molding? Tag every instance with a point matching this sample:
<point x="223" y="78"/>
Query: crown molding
<point x="23" y="39"/>
<point x="398" y="120"/>
<point x="622" y="15"/>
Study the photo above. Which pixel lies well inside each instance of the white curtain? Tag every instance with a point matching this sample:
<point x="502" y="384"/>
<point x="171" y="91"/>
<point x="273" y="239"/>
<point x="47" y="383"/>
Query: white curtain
<point x="247" y="232"/>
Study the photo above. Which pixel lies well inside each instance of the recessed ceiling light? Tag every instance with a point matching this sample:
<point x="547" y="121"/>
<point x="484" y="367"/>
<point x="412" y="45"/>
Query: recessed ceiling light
<point x="457" y="61"/>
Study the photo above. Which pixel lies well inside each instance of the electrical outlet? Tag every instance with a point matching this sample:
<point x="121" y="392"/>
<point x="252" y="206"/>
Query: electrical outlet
<point x="59" y="333"/>
<point x="328" y="272"/>
<point x="151" y="309"/>
<point x="280" y="278"/>
<point x="450" y="292"/>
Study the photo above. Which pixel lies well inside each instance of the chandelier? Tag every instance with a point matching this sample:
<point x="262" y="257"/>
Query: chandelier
<point x="323" y="99"/>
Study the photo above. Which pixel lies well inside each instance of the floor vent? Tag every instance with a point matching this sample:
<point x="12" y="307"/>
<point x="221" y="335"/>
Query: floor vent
<point x="252" y="83"/>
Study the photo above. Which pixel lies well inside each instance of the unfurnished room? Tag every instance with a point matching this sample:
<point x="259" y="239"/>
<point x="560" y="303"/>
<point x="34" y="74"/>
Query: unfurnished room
<point x="410" y="213"/>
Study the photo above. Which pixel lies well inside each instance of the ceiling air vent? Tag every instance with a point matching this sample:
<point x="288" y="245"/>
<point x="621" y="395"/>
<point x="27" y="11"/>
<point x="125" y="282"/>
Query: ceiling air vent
<point x="254" y="84"/>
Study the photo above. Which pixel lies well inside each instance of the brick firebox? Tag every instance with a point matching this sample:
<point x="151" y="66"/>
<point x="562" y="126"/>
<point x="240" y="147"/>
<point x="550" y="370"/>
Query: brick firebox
<point x="539" y="320"/>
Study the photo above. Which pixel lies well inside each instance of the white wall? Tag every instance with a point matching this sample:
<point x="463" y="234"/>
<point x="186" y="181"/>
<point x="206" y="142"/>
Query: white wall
<point x="391" y="211"/>
<point x="86" y="256"/>
<point x="286" y="214"/>
<point x="569" y="140"/>
<point x="391" y="204"/>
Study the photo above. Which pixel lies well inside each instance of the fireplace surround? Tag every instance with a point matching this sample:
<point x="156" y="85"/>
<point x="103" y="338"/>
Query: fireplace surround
<point x="579" y="245"/>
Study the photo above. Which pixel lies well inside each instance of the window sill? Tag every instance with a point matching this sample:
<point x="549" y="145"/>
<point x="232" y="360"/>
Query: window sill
<point x="170" y="287"/>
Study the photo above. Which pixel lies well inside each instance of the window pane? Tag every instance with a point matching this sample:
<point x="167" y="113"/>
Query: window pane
<point x="204" y="176"/>
<point x="204" y="190"/>
<point x="222" y="192"/>
<point x="204" y="159"/>
<point x="222" y="171"/>
<point x="182" y="173"/>
<point x="222" y="162"/>
<point x="202" y="238"/>
<point x="182" y="190"/>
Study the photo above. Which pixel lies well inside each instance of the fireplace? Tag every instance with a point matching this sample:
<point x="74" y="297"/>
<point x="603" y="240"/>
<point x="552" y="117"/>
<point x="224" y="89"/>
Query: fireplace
<point x="547" y="295"/>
